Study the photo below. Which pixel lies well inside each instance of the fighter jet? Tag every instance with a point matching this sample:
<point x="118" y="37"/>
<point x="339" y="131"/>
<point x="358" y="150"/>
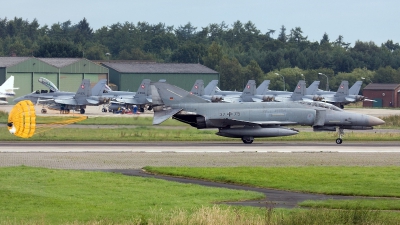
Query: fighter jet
<point x="141" y="98"/>
<point x="249" y="94"/>
<point x="344" y="95"/>
<point x="300" y="93"/>
<point x="65" y="101"/>
<point x="253" y="119"/>
<point x="210" y="94"/>
<point x="7" y="90"/>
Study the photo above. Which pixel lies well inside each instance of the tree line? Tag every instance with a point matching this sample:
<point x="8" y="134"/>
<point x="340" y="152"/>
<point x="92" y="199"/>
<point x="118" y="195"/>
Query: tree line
<point x="239" y="52"/>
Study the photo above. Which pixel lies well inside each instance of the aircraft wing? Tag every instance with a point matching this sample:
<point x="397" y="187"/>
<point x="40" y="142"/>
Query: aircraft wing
<point x="233" y="122"/>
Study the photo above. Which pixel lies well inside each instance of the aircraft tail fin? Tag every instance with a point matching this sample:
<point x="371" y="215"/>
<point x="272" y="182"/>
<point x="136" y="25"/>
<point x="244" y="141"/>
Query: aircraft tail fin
<point x="263" y="88"/>
<point x="343" y="89"/>
<point x="249" y="91"/>
<point x="313" y="88"/>
<point x="84" y="89"/>
<point x="198" y="88"/>
<point x="355" y="89"/>
<point x="168" y="94"/>
<point x="98" y="89"/>
<point x="210" y="88"/>
<point x="144" y="89"/>
<point x="8" y="87"/>
<point x="299" y="91"/>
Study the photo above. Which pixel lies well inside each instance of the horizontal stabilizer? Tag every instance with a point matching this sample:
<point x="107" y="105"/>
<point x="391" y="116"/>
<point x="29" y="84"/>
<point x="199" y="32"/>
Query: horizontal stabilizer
<point x="93" y="102"/>
<point x="162" y="115"/>
<point x="66" y="101"/>
<point x="350" y="99"/>
<point x="307" y="100"/>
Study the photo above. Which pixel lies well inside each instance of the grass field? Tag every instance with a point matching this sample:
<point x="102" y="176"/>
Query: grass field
<point x="48" y="196"/>
<point x="65" y="196"/>
<point x="351" y="181"/>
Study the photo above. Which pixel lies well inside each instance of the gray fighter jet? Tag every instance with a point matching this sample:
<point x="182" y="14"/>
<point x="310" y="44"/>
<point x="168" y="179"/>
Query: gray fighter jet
<point x="256" y="119"/>
<point x="141" y="98"/>
<point x="213" y="94"/>
<point x="66" y="101"/>
<point x="344" y="95"/>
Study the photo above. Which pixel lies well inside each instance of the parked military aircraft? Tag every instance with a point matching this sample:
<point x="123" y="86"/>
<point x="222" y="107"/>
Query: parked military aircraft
<point x="344" y="95"/>
<point x="7" y="90"/>
<point x="65" y="101"/>
<point x="141" y="98"/>
<point x="256" y="119"/>
<point x="248" y="95"/>
<point x="223" y="96"/>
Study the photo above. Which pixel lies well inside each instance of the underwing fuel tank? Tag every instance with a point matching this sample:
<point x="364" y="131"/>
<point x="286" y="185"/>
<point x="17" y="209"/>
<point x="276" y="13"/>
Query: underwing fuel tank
<point x="255" y="132"/>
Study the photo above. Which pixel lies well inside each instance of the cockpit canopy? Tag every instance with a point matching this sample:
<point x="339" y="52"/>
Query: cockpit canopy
<point x="322" y="105"/>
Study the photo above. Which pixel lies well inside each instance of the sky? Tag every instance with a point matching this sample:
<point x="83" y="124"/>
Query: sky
<point x="363" y="20"/>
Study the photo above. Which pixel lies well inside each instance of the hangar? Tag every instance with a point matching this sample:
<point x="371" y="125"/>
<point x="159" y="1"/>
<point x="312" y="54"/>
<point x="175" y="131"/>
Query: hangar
<point x="66" y="73"/>
<point x="385" y="95"/>
<point x="128" y="75"/>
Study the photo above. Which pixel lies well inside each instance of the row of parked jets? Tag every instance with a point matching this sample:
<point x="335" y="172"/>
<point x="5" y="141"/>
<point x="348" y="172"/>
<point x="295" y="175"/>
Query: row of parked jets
<point x="101" y="94"/>
<point x="255" y="112"/>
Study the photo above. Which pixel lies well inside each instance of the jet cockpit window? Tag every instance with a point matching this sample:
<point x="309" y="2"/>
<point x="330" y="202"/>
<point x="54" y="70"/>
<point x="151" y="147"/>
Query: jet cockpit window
<point x="322" y="105"/>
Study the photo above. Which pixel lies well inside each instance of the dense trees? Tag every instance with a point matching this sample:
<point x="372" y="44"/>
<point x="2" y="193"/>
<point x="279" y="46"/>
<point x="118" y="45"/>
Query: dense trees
<point x="238" y="52"/>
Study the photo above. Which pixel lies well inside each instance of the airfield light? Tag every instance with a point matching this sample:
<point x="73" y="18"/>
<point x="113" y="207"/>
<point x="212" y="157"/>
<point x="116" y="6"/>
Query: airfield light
<point x="327" y="81"/>
<point x="284" y="85"/>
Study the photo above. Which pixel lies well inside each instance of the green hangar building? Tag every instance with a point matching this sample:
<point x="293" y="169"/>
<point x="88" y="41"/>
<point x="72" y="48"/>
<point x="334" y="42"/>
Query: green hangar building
<point x="128" y="76"/>
<point x="65" y="73"/>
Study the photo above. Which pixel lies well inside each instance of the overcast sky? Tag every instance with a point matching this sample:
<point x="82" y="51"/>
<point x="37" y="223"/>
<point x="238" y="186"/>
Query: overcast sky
<point x="364" y="20"/>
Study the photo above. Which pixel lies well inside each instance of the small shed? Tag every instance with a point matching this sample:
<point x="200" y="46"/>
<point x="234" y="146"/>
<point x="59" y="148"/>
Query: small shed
<point x="385" y="95"/>
<point x="128" y="76"/>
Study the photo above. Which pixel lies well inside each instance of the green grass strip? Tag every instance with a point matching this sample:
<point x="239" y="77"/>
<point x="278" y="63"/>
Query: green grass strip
<point x="353" y="181"/>
<point x="52" y="196"/>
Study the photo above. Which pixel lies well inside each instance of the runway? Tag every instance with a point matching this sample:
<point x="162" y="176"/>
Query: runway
<point x="201" y="147"/>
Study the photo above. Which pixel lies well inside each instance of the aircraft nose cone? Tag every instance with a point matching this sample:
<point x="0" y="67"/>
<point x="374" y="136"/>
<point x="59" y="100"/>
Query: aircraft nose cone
<point x="374" y="121"/>
<point x="18" y="99"/>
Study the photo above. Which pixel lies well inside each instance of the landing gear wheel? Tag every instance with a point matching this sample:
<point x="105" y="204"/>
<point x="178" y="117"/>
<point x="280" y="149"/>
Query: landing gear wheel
<point x="247" y="140"/>
<point x="341" y="133"/>
<point x="67" y="111"/>
<point x="44" y="111"/>
<point x="104" y="110"/>
<point x="82" y="111"/>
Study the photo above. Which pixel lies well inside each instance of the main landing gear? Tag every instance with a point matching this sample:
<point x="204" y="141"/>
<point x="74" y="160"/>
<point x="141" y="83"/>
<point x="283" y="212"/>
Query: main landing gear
<point x="341" y="133"/>
<point x="247" y="140"/>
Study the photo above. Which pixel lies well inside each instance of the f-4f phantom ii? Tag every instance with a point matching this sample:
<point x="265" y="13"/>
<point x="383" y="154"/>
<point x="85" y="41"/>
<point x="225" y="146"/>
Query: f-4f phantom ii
<point x="7" y="90"/>
<point x="66" y="101"/>
<point x="256" y="119"/>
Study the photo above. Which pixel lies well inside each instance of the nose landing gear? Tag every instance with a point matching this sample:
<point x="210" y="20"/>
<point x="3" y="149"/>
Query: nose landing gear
<point x="247" y="140"/>
<point x="341" y="133"/>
